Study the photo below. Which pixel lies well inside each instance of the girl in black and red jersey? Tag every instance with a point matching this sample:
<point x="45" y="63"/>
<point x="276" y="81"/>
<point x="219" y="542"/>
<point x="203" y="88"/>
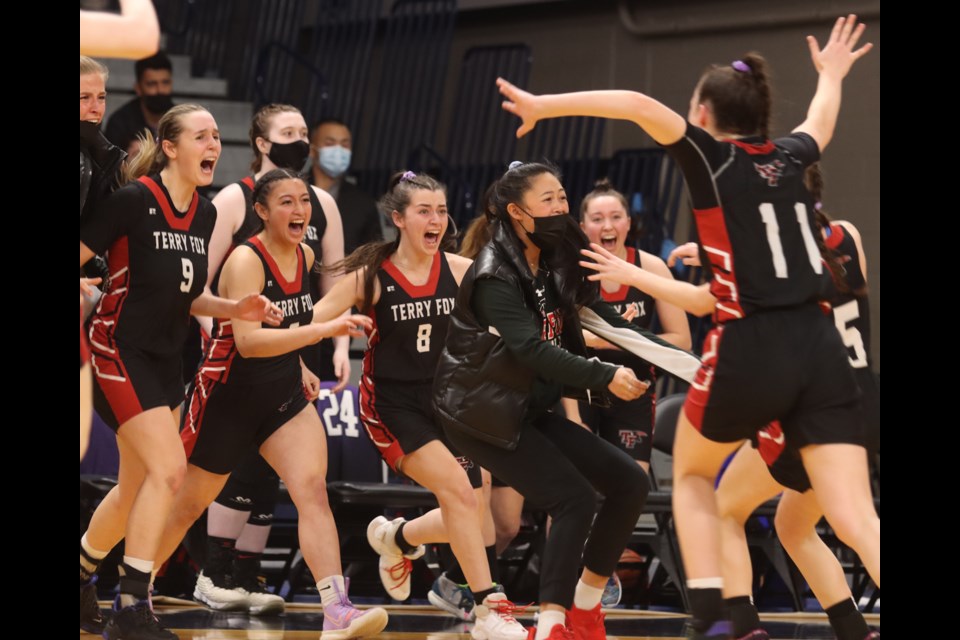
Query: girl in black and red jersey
<point x="756" y="222"/>
<point x="759" y="473"/>
<point x="408" y="285"/>
<point x="239" y="521"/>
<point x="155" y="233"/>
<point x="248" y="394"/>
<point x="626" y="425"/>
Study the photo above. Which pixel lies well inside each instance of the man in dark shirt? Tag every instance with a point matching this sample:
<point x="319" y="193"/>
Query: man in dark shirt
<point x="154" y="86"/>
<point x="330" y="152"/>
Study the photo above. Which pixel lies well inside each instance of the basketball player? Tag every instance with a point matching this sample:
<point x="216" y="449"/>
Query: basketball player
<point x="239" y="521"/>
<point x="248" y="394"/>
<point x="756" y="222"/>
<point x="155" y="232"/>
<point x="408" y="285"/>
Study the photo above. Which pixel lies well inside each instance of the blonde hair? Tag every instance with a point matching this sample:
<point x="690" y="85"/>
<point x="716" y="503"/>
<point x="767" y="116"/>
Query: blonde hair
<point x="89" y="65"/>
<point x="151" y="158"/>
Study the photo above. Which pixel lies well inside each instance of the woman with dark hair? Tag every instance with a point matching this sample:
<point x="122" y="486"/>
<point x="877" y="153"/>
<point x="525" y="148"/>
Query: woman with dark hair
<point x="408" y="286"/>
<point x="755" y="219"/>
<point x="760" y="472"/>
<point x="248" y="395"/>
<point x="515" y="346"/>
<point x="239" y="521"/>
<point x="155" y="233"/>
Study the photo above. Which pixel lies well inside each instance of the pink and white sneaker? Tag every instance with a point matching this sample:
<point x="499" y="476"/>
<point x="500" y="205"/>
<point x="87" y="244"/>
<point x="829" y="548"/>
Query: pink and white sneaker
<point x="342" y="620"/>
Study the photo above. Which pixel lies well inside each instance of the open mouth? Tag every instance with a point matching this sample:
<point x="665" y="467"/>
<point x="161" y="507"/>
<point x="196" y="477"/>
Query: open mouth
<point x="207" y="166"/>
<point x="609" y="242"/>
<point x="431" y="237"/>
<point x="297" y="227"/>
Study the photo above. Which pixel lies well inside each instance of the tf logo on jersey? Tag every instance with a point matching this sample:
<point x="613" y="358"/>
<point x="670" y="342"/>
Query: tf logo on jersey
<point x="630" y="438"/>
<point x="771" y="172"/>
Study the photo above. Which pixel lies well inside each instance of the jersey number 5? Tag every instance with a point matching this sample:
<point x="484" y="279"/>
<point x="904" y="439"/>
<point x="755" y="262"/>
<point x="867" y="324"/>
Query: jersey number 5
<point x="852" y="338"/>
<point x="187" y="275"/>
<point x="423" y="338"/>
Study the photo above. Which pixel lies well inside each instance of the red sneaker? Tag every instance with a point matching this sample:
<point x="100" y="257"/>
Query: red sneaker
<point x="586" y="624"/>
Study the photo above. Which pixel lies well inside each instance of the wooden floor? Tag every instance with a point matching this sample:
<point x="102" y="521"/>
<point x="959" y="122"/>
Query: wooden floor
<point x="426" y="623"/>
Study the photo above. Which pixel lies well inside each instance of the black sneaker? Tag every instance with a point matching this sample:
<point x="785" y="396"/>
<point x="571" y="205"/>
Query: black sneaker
<point x="136" y="622"/>
<point x="91" y="618"/>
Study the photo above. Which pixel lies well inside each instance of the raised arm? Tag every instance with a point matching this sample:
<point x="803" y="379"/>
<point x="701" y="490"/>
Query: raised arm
<point x="133" y="34"/>
<point x="833" y="62"/>
<point x="662" y="123"/>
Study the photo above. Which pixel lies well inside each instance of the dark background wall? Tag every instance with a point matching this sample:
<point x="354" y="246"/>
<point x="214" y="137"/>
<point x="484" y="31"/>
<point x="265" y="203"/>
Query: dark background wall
<point x="587" y="45"/>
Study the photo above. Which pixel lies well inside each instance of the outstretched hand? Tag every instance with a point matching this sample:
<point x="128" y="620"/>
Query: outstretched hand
<point x="353" y="326"/>
<point x="607" y="266"/>
<point x="521" y="104"/>
<point x="258" y="308"/>
<point x="838" y="55"/>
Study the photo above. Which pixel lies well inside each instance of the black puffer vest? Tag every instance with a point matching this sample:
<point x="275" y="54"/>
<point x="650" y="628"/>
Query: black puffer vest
<point x="480" y="388"/>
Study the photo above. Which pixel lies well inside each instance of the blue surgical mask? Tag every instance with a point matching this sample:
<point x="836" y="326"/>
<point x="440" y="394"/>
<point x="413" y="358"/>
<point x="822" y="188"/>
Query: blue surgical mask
<point x="334" y="160"/>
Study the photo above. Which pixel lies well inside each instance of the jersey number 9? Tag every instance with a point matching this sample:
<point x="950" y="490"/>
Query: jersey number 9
<point x="187" y="282"/>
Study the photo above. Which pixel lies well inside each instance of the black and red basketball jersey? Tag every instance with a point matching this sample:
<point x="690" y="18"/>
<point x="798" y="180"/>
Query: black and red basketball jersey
<point x="621" y="300"/>
<point x="850" y="306"/>
<point x="157" y="259"/>
<point x="222" y="361"/>
<point x="410" y="323"/>
<point x="755" y="219"/>
<point x="315" y="230"/>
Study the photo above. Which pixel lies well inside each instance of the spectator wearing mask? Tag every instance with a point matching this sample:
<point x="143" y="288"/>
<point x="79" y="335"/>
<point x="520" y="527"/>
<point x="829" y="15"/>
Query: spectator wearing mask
<point x="331" y="152"/>
<point x="154" y="88"/>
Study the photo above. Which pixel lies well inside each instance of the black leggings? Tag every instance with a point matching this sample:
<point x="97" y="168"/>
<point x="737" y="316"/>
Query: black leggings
<point x="559" y="466"/>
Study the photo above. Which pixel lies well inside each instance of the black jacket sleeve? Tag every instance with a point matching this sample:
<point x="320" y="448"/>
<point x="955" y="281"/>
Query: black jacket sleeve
<point x="499" y="305"/>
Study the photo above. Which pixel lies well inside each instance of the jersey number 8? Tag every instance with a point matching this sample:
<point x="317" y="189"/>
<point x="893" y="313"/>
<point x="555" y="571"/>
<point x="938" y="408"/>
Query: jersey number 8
<point x="423" y="338"/>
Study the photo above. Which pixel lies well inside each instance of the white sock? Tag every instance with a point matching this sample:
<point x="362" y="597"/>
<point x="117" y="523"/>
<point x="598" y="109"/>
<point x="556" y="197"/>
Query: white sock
<point x="705" y="583"/>
<point x="96" y="554"/>
<point x="140" y="565"/>
<point x="547" y="621"/>
<point x="332" y="590"/>
<point x="586" y="597"/>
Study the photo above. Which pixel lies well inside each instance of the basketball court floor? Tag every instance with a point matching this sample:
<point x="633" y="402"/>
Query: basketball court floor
<point x="407" y="622"/>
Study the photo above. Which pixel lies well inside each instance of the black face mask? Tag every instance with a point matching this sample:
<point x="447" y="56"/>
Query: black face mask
<point x="89" y="133"/>
<point x="549" y="231"/>
<point x="290" y="155"/>
<point x="157" y="104"/>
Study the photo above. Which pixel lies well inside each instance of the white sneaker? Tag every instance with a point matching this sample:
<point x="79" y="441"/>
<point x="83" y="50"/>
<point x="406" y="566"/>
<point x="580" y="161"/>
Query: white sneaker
<point x="219" y="598"/>
<point x="495" y="620"/>
<point x="246" y="576"/>
<point x="395" y="566"/>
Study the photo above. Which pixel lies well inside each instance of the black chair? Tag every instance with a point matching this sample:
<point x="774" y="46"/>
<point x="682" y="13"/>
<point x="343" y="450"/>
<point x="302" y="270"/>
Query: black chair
<point x="662" y="539"/>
